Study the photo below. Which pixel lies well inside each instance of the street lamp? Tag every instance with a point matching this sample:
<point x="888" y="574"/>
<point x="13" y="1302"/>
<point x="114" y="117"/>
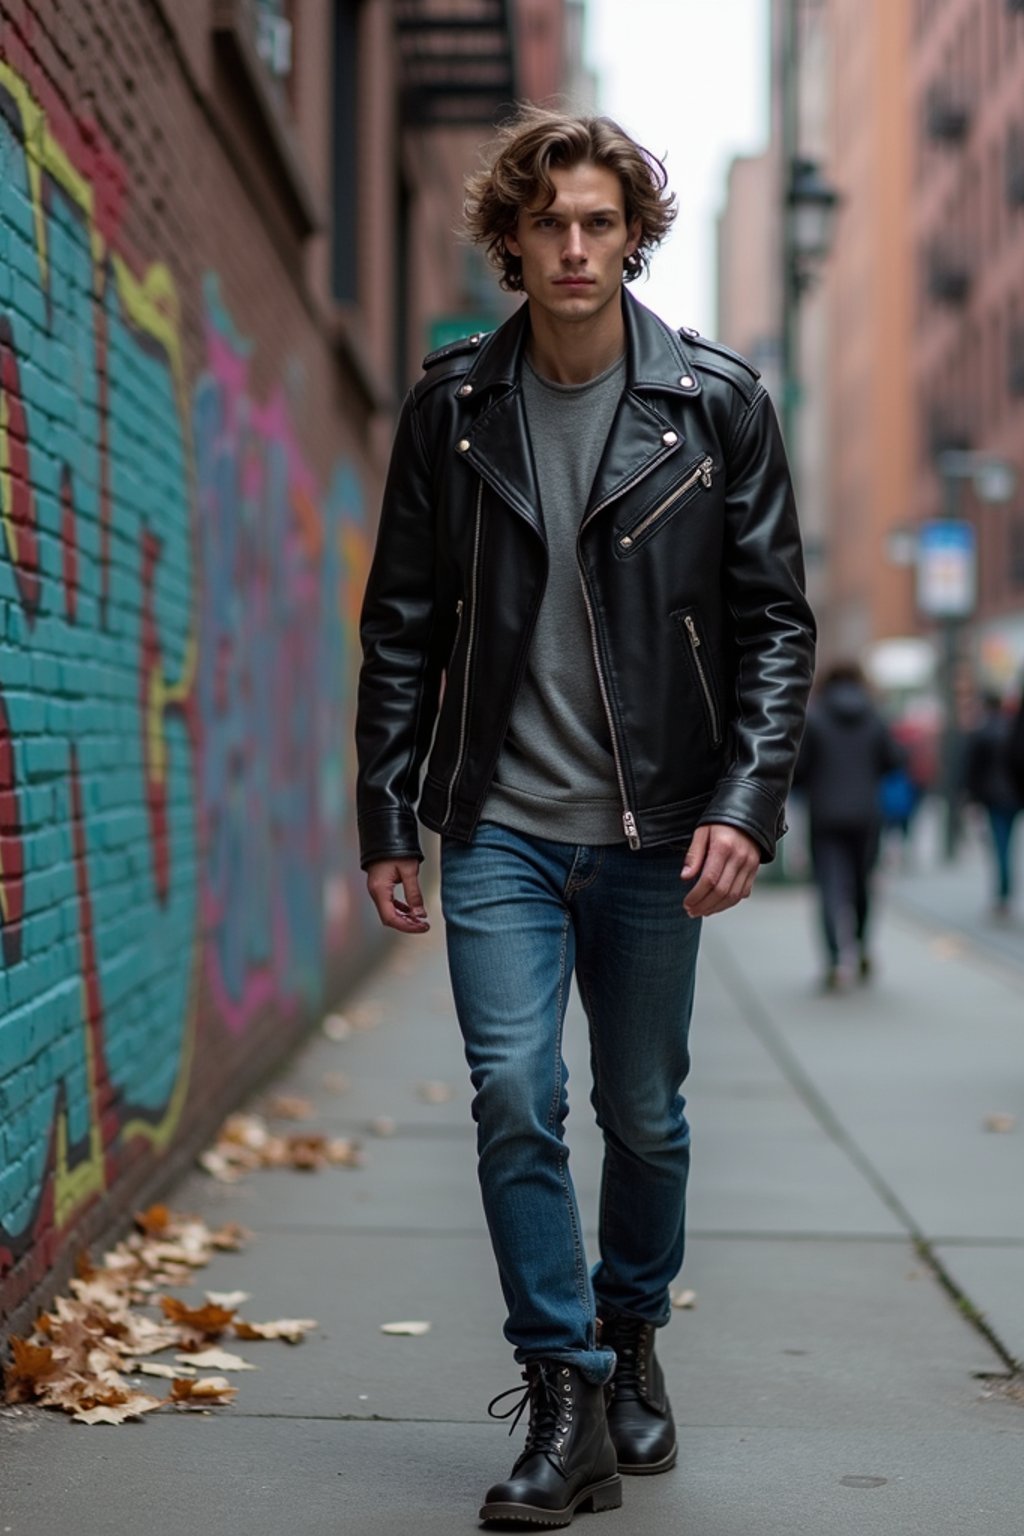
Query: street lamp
<point x="809" y="211"/>
<point x="946" y="593"/>
<point x="813" y="205"/>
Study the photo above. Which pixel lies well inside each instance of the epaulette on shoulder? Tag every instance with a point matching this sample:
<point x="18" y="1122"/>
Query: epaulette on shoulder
<point x="719" y="359"/>
<point x="465" y="346"/>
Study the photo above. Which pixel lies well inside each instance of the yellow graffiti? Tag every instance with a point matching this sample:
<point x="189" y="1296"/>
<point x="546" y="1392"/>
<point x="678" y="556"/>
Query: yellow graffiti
<point x="151" y="303"/>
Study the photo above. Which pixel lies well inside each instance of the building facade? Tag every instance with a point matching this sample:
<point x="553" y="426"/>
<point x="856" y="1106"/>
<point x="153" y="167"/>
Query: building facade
<point x="966" y="212"/>
<point x="226" y="240"/>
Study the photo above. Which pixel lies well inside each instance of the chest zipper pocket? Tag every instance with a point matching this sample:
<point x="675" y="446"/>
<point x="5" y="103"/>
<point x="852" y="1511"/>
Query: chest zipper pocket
<point x="702" y="473"/>
<point x="691" y="636"/>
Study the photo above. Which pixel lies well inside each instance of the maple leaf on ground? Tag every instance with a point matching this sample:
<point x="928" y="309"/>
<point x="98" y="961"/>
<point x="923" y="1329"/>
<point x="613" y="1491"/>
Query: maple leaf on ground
<point x="228" y="1298"/>
<point x="155" y="1221"/>
<point x="32" y="1365"/>
<point x="132" y="1408"/>
<point x="202" y="1393"/>
<point x="290" y="1106"/>
<point x="158" y="1368"/>
<point x="209" y="1320"/>
<point x="292" y="1329"/>
<point x="215" y="1360"/>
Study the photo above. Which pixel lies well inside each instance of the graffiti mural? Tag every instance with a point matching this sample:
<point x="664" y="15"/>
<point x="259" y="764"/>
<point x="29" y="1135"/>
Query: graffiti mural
<point x="97" y="756"/>
<point x="178" y="604"/>
<point x="282" y="568"/>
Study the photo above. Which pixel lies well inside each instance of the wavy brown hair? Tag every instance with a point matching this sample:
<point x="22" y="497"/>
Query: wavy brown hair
<point x="529" y="148"/>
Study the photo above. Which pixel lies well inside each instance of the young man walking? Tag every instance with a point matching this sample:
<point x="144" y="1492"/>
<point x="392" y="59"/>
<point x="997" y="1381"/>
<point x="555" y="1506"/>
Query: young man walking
<point x="586" y="606"/>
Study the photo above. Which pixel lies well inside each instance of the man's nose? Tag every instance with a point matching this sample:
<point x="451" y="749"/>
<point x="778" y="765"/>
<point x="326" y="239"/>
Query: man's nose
<point x="574" y="249"/>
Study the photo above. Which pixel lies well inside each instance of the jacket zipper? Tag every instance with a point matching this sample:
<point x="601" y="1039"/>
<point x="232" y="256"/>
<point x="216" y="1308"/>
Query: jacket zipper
<point x="628" y="819"/>
<point x="458" y="633"/>
<point x="463" y="718"/>
<point x="703" y="472"/>
<point x="694" y="638"/>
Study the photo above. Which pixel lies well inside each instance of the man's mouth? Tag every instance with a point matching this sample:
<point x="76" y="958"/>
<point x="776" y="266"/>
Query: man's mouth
<point x="574" y="282"/>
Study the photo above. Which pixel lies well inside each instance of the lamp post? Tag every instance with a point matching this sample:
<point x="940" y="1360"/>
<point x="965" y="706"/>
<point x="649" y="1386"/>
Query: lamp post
<point x="946" y="588"/>
<point x="809" y="209"/>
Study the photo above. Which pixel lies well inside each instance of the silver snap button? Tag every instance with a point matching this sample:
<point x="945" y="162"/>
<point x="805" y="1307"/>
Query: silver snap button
<point x="465" y="389"/>
<point x="670" y="439"/>
<point x="463" y="445"/>
<point x="474" y="340"/>
<point x="687" y="381"/>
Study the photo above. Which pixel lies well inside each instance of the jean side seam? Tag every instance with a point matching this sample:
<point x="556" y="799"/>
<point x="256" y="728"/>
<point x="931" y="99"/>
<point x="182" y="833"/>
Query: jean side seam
<point x="582" y="1278"/>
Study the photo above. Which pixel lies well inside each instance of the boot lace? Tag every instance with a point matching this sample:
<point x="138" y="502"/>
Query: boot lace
<point x="548" y="1391"/>
<point x="628" y="1338"/>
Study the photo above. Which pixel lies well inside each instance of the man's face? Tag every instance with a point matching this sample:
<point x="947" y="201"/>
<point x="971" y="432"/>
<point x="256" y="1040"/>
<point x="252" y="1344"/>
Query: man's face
<point x="572" y="251"/>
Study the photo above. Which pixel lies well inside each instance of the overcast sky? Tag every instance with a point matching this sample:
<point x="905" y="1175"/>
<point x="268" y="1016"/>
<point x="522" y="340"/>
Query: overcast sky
<point x="688" y="78"/>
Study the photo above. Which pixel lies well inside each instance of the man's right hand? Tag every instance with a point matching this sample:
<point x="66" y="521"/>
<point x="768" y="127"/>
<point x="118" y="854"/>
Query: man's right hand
<point x="383" y="879"/>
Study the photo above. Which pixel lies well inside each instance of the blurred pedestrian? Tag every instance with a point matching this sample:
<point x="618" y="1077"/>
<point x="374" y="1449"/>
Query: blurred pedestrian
<point x="847" y="752"/>
<point x="989" y="782"/>
<point x="589" y="529"/>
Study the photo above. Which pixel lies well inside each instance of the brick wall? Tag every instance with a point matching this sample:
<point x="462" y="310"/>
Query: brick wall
<point x="185" y="473"/>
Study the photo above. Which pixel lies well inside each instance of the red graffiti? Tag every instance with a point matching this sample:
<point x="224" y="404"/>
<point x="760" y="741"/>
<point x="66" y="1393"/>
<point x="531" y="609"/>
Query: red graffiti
<point x="104" y="1111"/>
<point x="12" y="850"/>
<point x="22" y="527"/>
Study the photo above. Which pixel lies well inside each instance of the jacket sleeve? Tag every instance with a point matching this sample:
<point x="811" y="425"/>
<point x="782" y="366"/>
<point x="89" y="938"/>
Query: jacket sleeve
<point x="773" y="629"/>
<point x="400" y="678"/>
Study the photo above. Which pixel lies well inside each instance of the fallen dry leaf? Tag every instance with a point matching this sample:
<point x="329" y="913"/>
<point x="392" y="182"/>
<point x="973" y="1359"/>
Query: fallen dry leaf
<point x="32" y="1365"/>
<point x="215" y="1360"/>
<point x="999" y="1122"/>
<point x="435" y="1093"/>
<point x="290" y="1106"/>
<point x="411" y="1330"/>
<point x="158" y="1368"/>
<point x="210" y="1320"/>
<point x="292" y="1329"/>
<point x="207" y="1390"/>
<point x="684" y="1301"/>
<point x="133" y="1408"/>
<point x="228" y="1298"/>
<point x="336" y="1027"/>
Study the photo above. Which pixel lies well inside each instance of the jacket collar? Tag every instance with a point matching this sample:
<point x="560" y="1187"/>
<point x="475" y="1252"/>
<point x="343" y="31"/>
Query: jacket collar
<point x="655" y="356"/>
<point x="641" y="437"/>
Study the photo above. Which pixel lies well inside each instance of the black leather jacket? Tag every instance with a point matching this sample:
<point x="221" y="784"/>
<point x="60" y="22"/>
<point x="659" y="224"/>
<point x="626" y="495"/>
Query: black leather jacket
<point x="691" y="570"/>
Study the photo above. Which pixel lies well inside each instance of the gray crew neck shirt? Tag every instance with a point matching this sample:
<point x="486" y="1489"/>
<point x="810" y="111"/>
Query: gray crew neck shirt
<point x="556" y="774"/>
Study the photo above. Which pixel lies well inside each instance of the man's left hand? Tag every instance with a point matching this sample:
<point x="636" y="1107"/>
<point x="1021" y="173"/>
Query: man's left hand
<point x="724" y="862"/>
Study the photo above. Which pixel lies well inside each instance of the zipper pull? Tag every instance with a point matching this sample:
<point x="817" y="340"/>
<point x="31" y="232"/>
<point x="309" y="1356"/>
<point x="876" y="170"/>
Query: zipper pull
<point x="691" y="630"/>
<point x="629" y="826"/>
<point x="458" y="609"/>
<point x="705" y="472"/>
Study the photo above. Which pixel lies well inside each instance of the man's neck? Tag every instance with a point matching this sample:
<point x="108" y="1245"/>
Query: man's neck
<point x="575" y="354"/>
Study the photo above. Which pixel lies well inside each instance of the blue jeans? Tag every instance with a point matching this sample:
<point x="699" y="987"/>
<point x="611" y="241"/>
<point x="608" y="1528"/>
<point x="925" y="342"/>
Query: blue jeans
<point x="521" y="915"/>
<point x="1001" y="820"/>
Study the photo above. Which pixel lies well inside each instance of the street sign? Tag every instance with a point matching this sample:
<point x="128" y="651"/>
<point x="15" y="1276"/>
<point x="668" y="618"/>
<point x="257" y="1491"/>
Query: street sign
<point x="947" y="569"/>
<point x="444" y="329"/>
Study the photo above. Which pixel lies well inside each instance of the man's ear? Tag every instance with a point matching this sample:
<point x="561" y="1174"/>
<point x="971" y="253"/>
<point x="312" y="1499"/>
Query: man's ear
<point x="512" y="245"/>
<point x="635" y="232"/>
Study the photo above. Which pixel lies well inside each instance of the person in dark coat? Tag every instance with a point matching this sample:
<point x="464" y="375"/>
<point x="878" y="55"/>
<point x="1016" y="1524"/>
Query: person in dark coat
<point x="847" y="751"/>
<point x="990" y="783"/>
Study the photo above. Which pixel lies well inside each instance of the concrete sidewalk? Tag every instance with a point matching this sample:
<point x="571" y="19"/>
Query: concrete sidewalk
<point x="825" y="1383"/>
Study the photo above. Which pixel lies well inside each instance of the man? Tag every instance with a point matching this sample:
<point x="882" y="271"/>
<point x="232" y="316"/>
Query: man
<point x="846" y="753"/>
<point x="989" y="782"/>
<point x="586" y="605"/>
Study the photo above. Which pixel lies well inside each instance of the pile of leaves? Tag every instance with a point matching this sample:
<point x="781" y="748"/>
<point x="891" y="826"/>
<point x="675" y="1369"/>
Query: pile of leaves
<point x="82" y="1355"/>
<point x="246" y="1143"/>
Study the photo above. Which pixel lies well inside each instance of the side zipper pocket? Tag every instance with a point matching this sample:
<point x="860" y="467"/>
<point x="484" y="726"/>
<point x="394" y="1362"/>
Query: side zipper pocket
<point x="703" y="472"/>
<point x="691" y="636"/>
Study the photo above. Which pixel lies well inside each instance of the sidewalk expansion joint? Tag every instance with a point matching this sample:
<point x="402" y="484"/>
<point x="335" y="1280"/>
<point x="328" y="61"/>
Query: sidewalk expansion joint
<point x="760" y="1022"/>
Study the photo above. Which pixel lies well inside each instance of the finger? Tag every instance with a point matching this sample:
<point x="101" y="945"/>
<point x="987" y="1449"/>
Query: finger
<point x="392" y="912"/>
<point x="696" y="853"/>
<point x="413" y="894"/>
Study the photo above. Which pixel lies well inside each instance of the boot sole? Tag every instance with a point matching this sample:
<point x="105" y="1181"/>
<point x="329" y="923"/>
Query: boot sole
<point x="597" y="1497"/>
<point x="650" y="1468"/>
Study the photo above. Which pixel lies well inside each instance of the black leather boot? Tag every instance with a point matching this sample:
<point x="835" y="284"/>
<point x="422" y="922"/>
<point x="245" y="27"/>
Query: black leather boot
<point x="639" y="1412"/>
<point x="568" y="1462"/>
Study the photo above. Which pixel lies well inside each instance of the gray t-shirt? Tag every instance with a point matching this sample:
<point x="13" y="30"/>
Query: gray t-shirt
<point x="556" y="774"/>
